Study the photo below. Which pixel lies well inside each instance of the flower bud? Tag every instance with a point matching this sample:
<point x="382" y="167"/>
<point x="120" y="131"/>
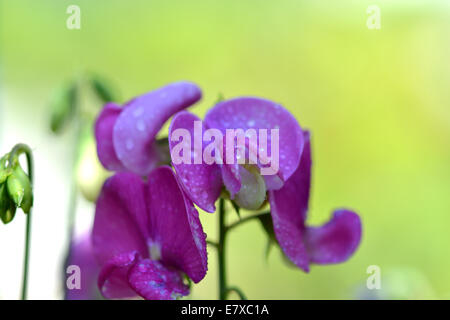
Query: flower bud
<point x="7" y="207"/>
<point x="253" y="190"/>
<point x="4" y="172"/>
<point x="63" y="107"/>
<point x="19" y="189"/>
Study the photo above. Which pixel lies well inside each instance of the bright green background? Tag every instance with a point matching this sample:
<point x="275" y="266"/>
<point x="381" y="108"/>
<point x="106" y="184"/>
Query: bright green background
<point x="377" y="103"/>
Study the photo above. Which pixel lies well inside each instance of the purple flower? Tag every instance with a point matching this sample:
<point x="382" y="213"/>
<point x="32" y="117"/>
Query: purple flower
<point x="203" y="182"/>
<point x="82" y="255"/>
<point x="333" y="242"/>
<point x="287" y="189"/>
<point x="146" y="236"/>
<point x="126" y="136"/>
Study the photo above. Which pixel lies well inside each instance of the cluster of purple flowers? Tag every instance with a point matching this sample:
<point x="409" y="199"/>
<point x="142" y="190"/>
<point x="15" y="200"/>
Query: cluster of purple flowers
<point x="147" y="236"/>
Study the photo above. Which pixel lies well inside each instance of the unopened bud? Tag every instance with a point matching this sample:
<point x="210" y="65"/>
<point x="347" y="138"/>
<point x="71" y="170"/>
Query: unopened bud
<point x="4" y="171"/>
<point x="19" y="189"/>
<point x="7" y="207"/>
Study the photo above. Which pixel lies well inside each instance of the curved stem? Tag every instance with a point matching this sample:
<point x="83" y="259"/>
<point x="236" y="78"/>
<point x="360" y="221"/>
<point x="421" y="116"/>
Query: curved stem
<point x="238" y="291"/>
<point x="221" y="251"/>
<point x="13" y="157"/>
<point x="245" y="219"/>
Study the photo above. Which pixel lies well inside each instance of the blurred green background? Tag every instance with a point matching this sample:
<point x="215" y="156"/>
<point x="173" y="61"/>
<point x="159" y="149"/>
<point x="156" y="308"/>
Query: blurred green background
<point x="377" y="103"/>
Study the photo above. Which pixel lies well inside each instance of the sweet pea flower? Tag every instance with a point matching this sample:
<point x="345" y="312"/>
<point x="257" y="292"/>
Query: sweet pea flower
<point x="334" y="242"/>
<point x="126" y="136"/>
<point x="247" y="187"/>
<point x="146" y="236"/>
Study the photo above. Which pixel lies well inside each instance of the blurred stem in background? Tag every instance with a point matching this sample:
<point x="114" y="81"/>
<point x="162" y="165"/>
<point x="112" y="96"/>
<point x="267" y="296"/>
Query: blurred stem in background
<point x="68" y="107"/>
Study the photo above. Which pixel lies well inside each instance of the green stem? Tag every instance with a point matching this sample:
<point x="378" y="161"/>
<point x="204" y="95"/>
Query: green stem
<point x="71" y="215"/>
<point x="14" y="156"/>
<point x="244" y="220"/>
<point x="238" y="291"/>
<point x="221" y="251"/>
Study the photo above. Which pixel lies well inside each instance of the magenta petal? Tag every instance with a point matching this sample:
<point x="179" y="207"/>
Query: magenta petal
<point x="121" y="219"/>
<point x="231" y="178"/>
<point x="104" y="136"/>
<point x="153" y="281"/>
<point x="202" y="181"/>
<point x="142" y="118"/>
<point x="289" y="207"/>
<point x="113" y="279"/>
<point x="335" y="241"/>
<point x="175" y="225"/>
<point x="256" y="113"/>
<point x="288" y="226"/>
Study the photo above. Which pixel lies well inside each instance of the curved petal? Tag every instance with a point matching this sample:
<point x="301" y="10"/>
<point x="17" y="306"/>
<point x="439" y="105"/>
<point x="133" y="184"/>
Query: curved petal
<point x="335" y="241"/>
<point x="175" y="226"/>
<point x="104" y="136"/>
<point x="121" y="219"/>
<point x="153" y="281"/>
<point x="113" y="279"/>
<point x="231" y="178"/>
<point x="201" y="181"/>
<point x="81" y="254"/>
<point x="289" y="207"/>
<point x="257" y="113"/>
<point x="136" y="127"/>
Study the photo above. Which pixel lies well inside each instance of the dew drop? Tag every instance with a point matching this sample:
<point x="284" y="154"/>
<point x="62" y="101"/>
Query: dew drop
<point x="129" y="144"/>
<point x="140" y="125"/>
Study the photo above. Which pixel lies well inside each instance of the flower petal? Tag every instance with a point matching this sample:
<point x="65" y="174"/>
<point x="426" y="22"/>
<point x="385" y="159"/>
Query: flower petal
<point x="153" y="281"/>
<point x="113" y="279"/>
<point x="202" y="182"/>
<point x="121" y="219"/>
<point x="142" y="118"/>
<point x="257" y="113"/>
<point x="175" y="225"/>
<point x="104" y="136"/>
<point x="289" y="206"/>
<point x="335" y="241"/>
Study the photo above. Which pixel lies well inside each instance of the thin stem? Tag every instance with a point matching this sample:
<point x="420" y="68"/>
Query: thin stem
<point x="221" y="251"/>
<point x="212" y="243"/>
<point x="14" y="156"/>
<point x="245" y="219"/>
<point x="238" y="291"/>
<point x="71" y="215"/>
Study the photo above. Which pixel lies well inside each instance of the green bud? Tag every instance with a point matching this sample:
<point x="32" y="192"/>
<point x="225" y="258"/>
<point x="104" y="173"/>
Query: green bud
<point x="7" y="207"/>
<point x="63" y="107"/>
<point x="19" y="189"/>
<point x="4" y="172"/>
<point x="102" y="89"/>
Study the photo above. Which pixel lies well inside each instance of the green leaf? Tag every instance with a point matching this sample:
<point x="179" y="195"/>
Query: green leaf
<point x="103" y="89"/>
<point x="236" y="208"/>
<point x="63" y="107"/>
<point x="267" y="224"/>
